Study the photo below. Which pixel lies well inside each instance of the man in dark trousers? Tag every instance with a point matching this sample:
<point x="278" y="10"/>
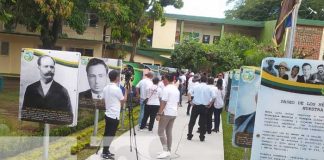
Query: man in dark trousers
<point x="46" y="93"/>
<point x="204" y="97"/>
<point x="97" y="73"/>
<point x="114" y="98"/>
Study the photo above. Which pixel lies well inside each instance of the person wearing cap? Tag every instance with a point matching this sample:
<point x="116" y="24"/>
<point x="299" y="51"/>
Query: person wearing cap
<point x="204" y="97"/>
<point x="270" y="69"/>
<point x="282" y="69"/>
<point x="141" y="88"/>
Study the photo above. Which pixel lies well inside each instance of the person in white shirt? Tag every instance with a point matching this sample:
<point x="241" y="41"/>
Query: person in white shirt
<point x="218" y="104"/>
<point x="167" y="114"/>
<point x="141" y="88"/>
<point x="113" y="98"/>
<point x="153" y="93"/>
<point x="182" y="81"/>
<point x="204" y="96"/>
<point x="210" y="111"/>
<point x="294" y="73"/>
<point x="161" y="84"/>
<point x="193" y="81"/>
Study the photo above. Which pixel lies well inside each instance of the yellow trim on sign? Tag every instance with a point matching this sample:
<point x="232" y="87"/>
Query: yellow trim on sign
<point x="56" y="59"/>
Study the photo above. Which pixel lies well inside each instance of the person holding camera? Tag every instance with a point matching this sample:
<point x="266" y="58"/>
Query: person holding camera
<point x="113" y="98"/>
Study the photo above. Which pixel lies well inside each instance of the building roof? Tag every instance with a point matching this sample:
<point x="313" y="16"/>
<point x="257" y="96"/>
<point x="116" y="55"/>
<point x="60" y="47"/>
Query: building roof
<point x="237" y="22"/>
<point x="310" y="22"/>
<point x="154" y="53"/>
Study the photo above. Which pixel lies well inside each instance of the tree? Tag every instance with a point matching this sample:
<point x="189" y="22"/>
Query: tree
<point x="111" y="13"/>
<point x="231" y="52"/>
<point x="47" y="17"/>
<point x="141" y="15"/>
<point x="261" y="10"/>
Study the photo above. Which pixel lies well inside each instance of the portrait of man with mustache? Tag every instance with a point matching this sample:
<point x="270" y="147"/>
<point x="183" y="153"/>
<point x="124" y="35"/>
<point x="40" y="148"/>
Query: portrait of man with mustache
<point x="47" y="94"/>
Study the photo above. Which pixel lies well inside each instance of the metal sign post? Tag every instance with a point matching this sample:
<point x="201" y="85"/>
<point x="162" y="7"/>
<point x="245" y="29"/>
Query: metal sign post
<point x="95" y="130"/>
<point x="46" y="141"/>
<point x="292" y="32"/>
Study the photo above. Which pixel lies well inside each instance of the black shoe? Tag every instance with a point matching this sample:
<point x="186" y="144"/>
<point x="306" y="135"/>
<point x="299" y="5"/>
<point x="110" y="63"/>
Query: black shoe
<point x="202" y="139"/>
<point x="214" y="130"/>
<point x="107" y="156"/>
<point x="189" y="137"/>
<point x="209" y="132"/>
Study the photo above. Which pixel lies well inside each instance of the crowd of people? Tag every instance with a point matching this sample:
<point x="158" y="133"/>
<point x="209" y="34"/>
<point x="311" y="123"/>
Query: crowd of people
<point x="159" y="101"/>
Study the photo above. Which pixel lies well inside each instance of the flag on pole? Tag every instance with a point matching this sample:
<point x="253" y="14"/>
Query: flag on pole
<point x="284" y="20"/>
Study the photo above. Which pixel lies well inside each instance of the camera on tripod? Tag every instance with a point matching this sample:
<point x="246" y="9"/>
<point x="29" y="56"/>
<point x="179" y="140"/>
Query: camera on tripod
<point x="128" y="72"/>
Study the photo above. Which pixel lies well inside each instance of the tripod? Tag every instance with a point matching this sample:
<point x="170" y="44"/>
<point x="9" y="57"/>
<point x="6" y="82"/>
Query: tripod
<point x="131" y="119"/>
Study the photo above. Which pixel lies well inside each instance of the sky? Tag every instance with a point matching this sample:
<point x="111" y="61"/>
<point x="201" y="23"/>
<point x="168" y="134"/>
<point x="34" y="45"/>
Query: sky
<point x="205" y="8"/>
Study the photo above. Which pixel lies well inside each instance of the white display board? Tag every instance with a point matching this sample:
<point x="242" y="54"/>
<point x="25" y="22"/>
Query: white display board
<point x="48" y="86"/>
<point x="289" y="121"/>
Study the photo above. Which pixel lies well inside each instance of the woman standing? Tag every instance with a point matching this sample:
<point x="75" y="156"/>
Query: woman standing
<point x="153" y="103"/>
<point x="167" y="114"/>
<point x="219" y="103"/>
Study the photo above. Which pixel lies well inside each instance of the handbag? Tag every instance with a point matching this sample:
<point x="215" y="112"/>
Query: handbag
<point x="146" y="100"/>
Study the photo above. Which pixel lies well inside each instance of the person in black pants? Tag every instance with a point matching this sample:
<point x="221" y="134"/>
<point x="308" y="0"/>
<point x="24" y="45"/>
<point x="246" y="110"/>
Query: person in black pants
<point x="210" y="110"/>
<point x="113" y="98"/>
<point x="204" y="97"/>
<point x="153" y="104"/>
<point x="219" y="103"/>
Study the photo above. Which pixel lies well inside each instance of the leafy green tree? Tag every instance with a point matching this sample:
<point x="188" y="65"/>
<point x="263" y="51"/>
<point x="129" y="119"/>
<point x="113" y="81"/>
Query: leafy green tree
<point x="140" y="17"/>
<point x="261" y="10"/>
<point x="231" y="52"/>
<point x="111" y="13"/>
<point x="46" y="16"/>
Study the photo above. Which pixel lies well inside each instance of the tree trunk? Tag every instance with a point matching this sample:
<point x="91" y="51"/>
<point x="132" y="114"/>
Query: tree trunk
<point x="131" y="58"/>
<point x="50" y="32"/>
<point x="104" y="41"/>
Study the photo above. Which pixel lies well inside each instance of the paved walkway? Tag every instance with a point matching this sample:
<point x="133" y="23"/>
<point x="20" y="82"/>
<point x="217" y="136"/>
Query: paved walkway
<point x="148" y="143"/>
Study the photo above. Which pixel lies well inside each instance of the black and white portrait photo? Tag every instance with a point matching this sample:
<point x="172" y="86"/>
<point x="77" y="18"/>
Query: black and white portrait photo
<point x="48" y="90"/>
<point x="92" y="80"/>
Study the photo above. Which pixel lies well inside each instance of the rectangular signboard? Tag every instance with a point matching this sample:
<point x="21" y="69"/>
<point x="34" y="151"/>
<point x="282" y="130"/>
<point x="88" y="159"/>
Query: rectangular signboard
<point x="233" y="96"/>
<point x="93" y="77"/>
<point x="48" y="86"/>
<point x="289" y="122"/>
<point x="246" y="106"/>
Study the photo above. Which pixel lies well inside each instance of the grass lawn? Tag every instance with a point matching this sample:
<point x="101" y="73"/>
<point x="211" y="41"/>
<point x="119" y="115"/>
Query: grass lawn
<point x="231" y="153"/>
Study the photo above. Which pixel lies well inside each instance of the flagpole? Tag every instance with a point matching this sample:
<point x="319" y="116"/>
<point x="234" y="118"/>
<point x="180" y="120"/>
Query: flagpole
<point x="292" y="32"/>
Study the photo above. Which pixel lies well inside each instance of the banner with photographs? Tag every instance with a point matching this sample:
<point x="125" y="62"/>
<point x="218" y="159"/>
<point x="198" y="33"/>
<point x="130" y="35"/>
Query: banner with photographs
<point x="233" y="96"/>
<point x="290" y="110"/>
<point x="246" y="106"/>
<point x="48" y="86"/>
<point x="93" y="77"/>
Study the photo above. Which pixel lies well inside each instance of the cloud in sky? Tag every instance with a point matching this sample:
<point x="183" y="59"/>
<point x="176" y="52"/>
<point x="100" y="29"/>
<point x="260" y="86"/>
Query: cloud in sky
<point x="205" y="8"/>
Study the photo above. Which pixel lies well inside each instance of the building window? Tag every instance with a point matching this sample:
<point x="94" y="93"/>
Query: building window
<point x="206" y="39"/>
<point x="191" y="36"/>
<point x="216" y="39"/>
<point x="93" y="20"/>
<point x="83" y="51"/>
<point x="4" y="46"/>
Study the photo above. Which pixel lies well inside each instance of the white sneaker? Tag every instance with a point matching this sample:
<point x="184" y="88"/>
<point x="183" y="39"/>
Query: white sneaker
<point x="164" y="155"/>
